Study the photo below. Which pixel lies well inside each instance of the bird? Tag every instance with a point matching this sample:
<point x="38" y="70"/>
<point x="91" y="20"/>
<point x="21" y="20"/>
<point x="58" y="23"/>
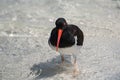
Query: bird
<point x="66" y="38"/>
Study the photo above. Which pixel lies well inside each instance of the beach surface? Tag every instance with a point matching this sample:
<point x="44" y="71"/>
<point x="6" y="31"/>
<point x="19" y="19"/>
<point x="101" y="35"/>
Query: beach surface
<point x="25" y="27"/>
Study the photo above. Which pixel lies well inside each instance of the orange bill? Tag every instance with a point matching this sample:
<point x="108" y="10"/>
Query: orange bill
<point x="58" y="39"/>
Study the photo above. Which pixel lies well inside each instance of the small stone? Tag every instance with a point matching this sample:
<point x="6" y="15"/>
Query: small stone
<point x="1" y="49"/>
<point x="29" y="16"/>
<point x="14" y="18"/>
<point x="81" y="23"/>
<point x="51" y="20"/>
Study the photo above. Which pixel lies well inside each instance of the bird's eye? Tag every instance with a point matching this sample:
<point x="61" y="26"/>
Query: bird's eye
<point x="63" y="24"/>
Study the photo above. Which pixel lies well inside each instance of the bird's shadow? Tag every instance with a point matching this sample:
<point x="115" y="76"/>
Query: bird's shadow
<point x="49" y="68"/>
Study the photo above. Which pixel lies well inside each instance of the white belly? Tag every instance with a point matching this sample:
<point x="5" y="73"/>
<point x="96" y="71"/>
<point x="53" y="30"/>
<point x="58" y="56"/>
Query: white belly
<point x="68" y="52"/>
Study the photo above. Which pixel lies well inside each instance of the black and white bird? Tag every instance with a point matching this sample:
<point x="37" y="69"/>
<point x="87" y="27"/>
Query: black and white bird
<point x="66" y="39"/>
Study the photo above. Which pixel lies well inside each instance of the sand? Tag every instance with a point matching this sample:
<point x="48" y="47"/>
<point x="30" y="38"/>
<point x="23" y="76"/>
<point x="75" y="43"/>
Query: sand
<point x="25" y="26"/>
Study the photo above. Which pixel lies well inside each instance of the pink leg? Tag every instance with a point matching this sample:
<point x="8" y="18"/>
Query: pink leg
<point x="76" y="69"/>
<point x="62" y="59"/>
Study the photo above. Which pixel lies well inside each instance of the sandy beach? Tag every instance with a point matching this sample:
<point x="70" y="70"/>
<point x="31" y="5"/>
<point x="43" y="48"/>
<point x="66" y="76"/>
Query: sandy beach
<point x="25" y="26"/>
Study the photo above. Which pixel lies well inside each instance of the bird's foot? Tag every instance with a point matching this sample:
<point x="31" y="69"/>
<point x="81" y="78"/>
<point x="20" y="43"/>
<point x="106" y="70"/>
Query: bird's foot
<point x="76" y="72"/>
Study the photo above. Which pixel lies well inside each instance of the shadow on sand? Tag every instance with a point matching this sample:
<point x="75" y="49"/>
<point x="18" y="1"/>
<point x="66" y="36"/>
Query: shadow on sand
<point x="49" y="68"/>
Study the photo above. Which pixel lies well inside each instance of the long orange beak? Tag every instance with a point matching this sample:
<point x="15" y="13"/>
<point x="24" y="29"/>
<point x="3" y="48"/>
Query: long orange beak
<point x="59" y="36"/>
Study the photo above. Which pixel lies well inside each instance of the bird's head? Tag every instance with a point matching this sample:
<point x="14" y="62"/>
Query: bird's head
<point x="60" y="25"/>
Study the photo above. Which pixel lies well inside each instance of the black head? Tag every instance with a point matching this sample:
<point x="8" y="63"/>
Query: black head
<point x="61" y="23"/>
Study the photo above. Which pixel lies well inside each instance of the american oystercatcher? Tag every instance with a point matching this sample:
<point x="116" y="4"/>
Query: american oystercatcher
<point x="66" y="39"/>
